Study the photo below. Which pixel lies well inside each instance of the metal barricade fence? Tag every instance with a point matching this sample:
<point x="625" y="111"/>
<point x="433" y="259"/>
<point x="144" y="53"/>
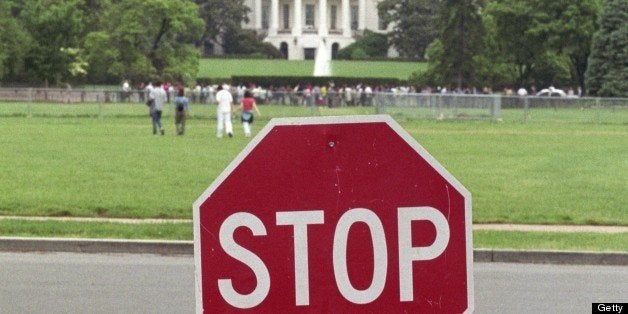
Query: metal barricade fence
<point x="102" y="103"/>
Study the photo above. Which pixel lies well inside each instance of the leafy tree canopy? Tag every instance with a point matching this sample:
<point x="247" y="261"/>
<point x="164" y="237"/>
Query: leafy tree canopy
<point x="414" y="22"/>
<point x="222" y="17"/>
<point x="53" y="27"/>
<point x="371" y="45"/>
<point x="14" y="42"/>
<point x="147" y="39"/>
<point x="607" y="74"/>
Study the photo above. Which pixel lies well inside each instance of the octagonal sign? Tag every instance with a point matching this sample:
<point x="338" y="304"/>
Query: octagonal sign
<point x="335" y="214"/>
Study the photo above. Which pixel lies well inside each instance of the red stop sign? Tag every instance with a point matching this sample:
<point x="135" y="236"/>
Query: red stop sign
<point x="336" y="214"/>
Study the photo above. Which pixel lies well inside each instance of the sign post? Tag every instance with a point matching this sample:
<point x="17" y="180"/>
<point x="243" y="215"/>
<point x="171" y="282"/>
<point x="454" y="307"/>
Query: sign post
<point x="334" y="214"/>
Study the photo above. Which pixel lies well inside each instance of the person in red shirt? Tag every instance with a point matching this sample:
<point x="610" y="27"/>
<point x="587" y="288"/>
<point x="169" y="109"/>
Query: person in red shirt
<point x="247" y="105"/>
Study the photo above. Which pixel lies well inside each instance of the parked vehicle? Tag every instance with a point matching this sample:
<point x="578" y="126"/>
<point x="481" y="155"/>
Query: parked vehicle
<point x="551" y="92"/>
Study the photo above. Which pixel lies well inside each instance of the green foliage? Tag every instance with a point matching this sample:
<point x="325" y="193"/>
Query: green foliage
<point x="358" y="54"/>
<point x="431" y="76"/>
<point x="461" y="35"/>
<point x="568" y="28"/>
<point x="371" y="45"/>
<point x="246" y="42"/>
<point x="539" y="42"/>
<point x="14" y="43"/>
<point x="415" y="24"/>
<point x="493" y="68"/>
<point x="52" y="25"/>
<point x="552" y="68"/>
<point x="607" y="74"/>
<point x="222" y="17"/>
<point x="148" y="40"/>
<point x="93" y="17"/>
<point x="520" y="47"/>
<point x="102" y="58"/>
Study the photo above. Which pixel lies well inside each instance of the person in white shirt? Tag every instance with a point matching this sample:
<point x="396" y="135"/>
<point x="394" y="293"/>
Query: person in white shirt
<point x="126" y="91"/>
<point x="158" y="97"/>
<point x="224" y="110"/>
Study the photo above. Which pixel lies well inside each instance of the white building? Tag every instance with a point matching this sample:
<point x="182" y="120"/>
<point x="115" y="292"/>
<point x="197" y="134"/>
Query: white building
<point x="299" y="27"/>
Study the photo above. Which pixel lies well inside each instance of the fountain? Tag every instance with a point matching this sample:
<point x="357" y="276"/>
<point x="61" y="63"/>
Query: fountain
<point x="322" y="61"/>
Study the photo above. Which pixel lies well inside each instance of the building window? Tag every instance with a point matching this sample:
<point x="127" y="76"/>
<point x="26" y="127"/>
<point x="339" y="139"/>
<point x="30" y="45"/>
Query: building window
<point x="286" y="16"/>
<point x="354" y="17"/>
<point x="309" y="15"/>
<point x="283" y="48"/>
<point x="334" y="51"/>
<point x="333" y="14"/>
<point x="265" y="10"/>
<point x="309" y="53"/>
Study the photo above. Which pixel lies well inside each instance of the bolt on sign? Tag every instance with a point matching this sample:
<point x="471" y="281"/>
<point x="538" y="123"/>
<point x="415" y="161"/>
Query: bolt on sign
<point x="334" y="214"/>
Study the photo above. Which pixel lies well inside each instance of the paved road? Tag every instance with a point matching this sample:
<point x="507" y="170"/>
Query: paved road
<point x="125" y="283"/>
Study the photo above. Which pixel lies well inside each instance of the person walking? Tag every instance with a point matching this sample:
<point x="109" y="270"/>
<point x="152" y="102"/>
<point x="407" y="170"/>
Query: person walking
<point x="224" y="110"/>
<point x="157" y="99"/>
<point x="181" y="104"/>
<point x="247" y="105"/>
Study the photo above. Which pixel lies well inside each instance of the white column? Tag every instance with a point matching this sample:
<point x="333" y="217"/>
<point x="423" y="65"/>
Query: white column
<point x="346" y="18"/>
<point x="274" y="17"/>
<point x="361" y="14"/>
<point x="297" y="28"/>
<point x="322" y="24"/>
<point x="258" y="14"/>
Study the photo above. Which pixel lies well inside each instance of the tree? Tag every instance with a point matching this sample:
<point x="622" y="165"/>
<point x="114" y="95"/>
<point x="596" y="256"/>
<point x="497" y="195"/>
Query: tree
<point x="93" y="14"/>
<point x="372" y="45"/>
<point x="147" y="39"/>
<point x="568" y="26"/>
<point x="519" y="46"/>
<point x="461" y="35"/>
<point x="53" y="26"/>
<point x="415" y="24"/>
<point x="102" y="59"/>
<point x="247" y="42"/>
<point x="221" y="17"/>
<point x="493" y="68"/>
<point x="607" y="74"/>
<point x="14" y="43"/>
<point x="432" y="75"/>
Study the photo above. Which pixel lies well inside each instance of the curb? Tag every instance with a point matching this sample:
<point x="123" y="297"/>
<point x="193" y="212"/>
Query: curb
<point x="551" y="257"/>
<point x="96" y="246"/>
<point x="10" y="244"/>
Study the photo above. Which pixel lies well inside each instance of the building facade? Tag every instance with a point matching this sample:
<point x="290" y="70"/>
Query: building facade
<point x="298" y="28"/>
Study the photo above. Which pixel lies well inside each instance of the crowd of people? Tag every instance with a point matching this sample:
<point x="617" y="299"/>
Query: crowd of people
<point x="246" y="97"/>
<point x="157" y="95"/>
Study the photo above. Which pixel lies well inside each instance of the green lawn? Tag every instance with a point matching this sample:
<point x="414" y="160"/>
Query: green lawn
<point x="225" y="68"/>
<point x="66" y="162"/>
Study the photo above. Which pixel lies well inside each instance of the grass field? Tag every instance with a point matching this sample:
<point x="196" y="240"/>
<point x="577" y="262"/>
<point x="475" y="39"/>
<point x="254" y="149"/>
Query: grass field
<point x="67" y="162"/>
<point x="225" y="68"/>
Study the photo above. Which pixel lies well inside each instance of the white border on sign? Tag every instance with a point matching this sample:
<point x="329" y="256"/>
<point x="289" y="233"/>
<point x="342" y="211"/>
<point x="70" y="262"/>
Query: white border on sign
<point x="335" y="120"/>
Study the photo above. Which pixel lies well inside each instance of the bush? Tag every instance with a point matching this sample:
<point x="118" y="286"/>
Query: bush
<point x="246" y="42"/>
<point x="371" y="45"/>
